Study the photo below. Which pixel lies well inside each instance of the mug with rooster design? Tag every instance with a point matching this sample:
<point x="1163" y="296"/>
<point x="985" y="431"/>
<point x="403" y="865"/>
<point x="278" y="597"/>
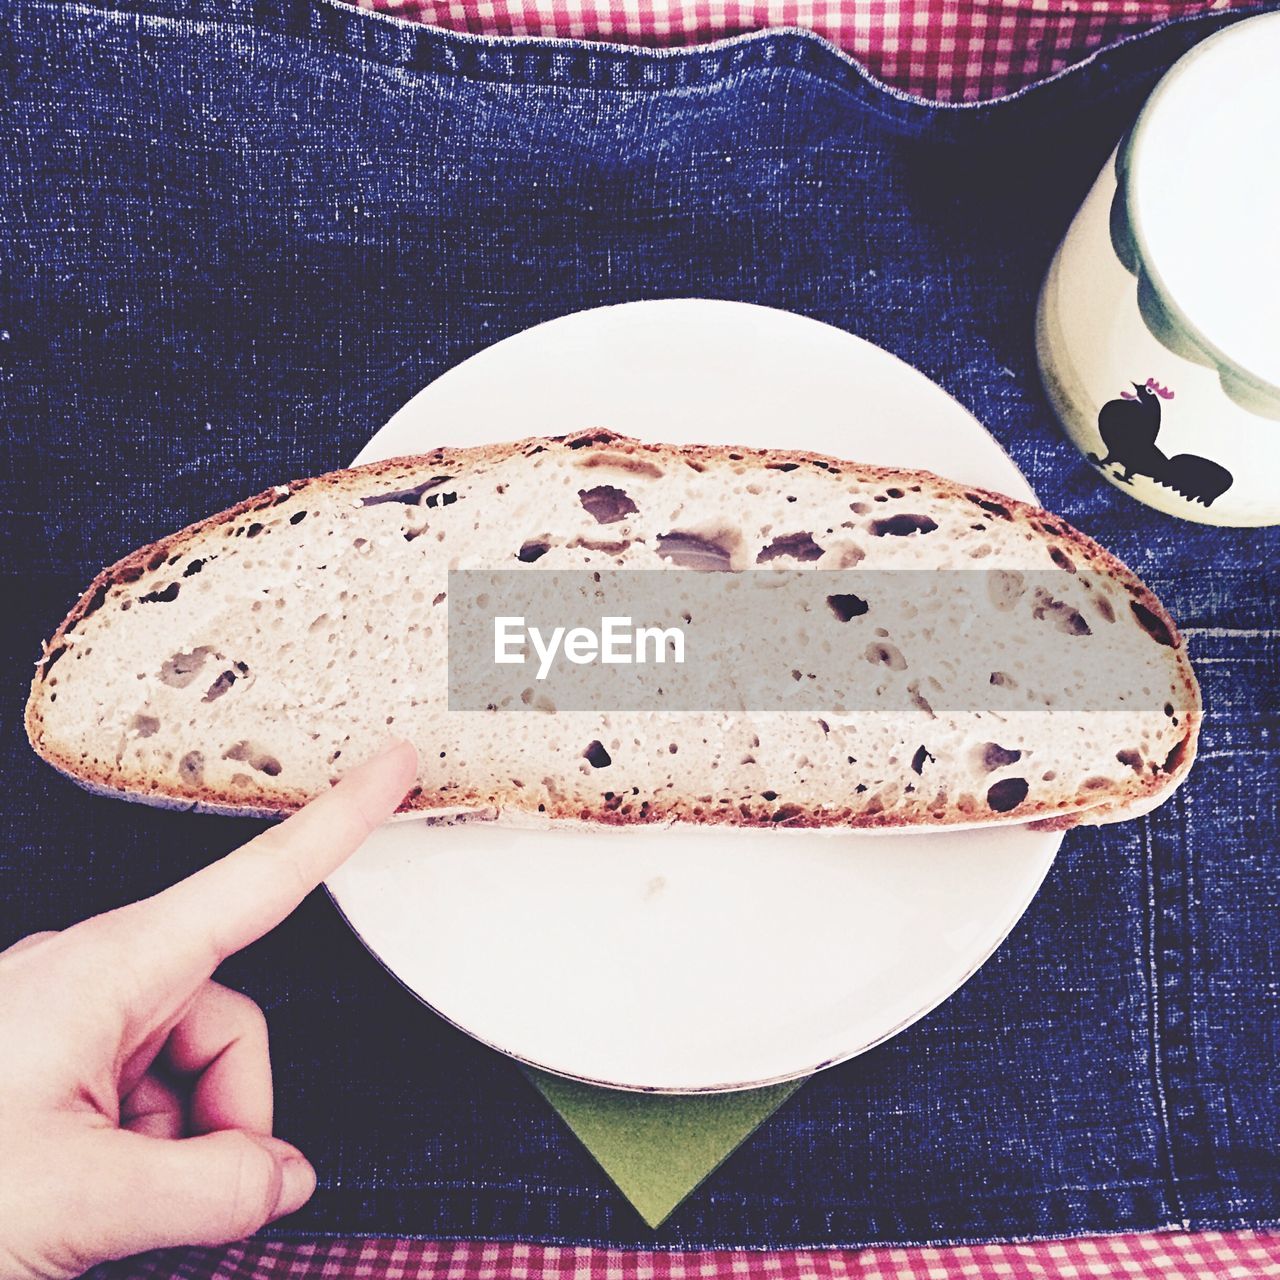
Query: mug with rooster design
<point x="1158" y="327"/>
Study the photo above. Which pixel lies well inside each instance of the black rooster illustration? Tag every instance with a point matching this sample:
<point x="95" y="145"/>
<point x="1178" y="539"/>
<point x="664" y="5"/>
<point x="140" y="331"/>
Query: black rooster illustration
<point x="1129" y="427"/>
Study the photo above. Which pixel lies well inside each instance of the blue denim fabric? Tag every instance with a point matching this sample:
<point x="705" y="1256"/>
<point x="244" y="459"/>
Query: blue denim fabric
<point x="235" y="235"/>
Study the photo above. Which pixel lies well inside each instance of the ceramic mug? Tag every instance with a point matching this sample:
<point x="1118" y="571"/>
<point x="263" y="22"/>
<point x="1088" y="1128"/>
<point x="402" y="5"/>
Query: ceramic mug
<point x="1158" y="328"/>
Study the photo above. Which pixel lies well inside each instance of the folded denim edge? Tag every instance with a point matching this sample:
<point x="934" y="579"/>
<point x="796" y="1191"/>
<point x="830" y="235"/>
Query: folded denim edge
<point x="586" y="64"/>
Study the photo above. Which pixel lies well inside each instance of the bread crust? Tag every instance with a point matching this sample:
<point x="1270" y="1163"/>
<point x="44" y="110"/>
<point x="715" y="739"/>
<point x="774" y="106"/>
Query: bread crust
<point x="1146" y="791"/>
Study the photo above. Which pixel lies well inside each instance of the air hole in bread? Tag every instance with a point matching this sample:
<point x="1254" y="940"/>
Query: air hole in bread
<point x="615" y="548"/>
<point x="599" y="435"/>
<point x="1131" y="758"/>
<point x="1175" y="757"/>
<point x="1062" y="560"/>
<point x="220" y="686"/>
<point x="886" y="654"/>
<point x="1005" y="588"/>
<point x="622" y="462"/>
<point x="180" y="670"/>
<point x="607" y="504"/>
<point x="918" y="760"/>
<point x="1064" y="618"/>
<point x="918" y="700"/>
<point x="902" y="525"/>
<point x="847" y="606"/>
<point x="256" y="758"/>
<point x="54" y="654"/>
<point x="191" y="768"/>
<point x="409" y="497"/>
<point x="1006" y="794"/>
<point x="144" y="725"/>
<point x="533" y="550"/>
<point x="695" y="551"/>
<point x="986" y="504"/>
<point x="195" y="567"/>
<point x="796" y="546"/>
<point x="166" y="595"/>
<point x="1153" y="625"/>
<point x="990" y="756"/>
<point x="538" y="701"/>
<point x="298" y="517"/>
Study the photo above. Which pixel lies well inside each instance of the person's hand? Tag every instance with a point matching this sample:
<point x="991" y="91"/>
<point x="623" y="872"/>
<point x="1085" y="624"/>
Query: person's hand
<point x="135" y="1093"/>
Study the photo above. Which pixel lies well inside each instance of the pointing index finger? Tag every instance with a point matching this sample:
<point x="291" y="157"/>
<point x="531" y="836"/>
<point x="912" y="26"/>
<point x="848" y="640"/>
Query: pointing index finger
<point x="234" y="901"/>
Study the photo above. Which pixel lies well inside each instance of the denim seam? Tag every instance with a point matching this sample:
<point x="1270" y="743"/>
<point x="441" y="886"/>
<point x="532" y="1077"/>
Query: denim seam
<point x="1155" y="1014"/>
<point x="738" y="69"/>
<point x="715" y="64"/>
<point x="287" y="1235"/>
<point x="1185" y="1114"/>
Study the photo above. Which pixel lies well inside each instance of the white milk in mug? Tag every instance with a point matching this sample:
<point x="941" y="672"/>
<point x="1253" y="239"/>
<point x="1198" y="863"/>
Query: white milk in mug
<point x="1158" y="329"/>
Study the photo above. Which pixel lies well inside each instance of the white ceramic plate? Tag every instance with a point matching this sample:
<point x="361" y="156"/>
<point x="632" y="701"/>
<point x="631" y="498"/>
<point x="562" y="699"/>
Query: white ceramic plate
<point x="672" y="959"/>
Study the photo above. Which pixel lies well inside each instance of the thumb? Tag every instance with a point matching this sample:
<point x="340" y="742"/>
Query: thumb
<point x="149" y="1193"/>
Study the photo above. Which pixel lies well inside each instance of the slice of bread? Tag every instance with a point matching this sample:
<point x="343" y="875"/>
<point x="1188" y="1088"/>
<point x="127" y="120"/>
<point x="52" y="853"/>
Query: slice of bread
<point x="242" y="664"/>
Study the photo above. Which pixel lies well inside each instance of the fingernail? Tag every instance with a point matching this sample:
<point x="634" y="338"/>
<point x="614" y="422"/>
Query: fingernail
<point x="297" y="1182"/>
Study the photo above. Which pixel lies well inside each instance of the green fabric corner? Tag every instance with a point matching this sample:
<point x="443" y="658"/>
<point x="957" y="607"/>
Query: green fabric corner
<point x="657" y="1148"/>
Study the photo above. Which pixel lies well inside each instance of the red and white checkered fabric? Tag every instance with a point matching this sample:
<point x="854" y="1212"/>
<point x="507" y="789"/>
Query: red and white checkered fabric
<point x="948" y="50"/>
<point x="1212" y="1255"/>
